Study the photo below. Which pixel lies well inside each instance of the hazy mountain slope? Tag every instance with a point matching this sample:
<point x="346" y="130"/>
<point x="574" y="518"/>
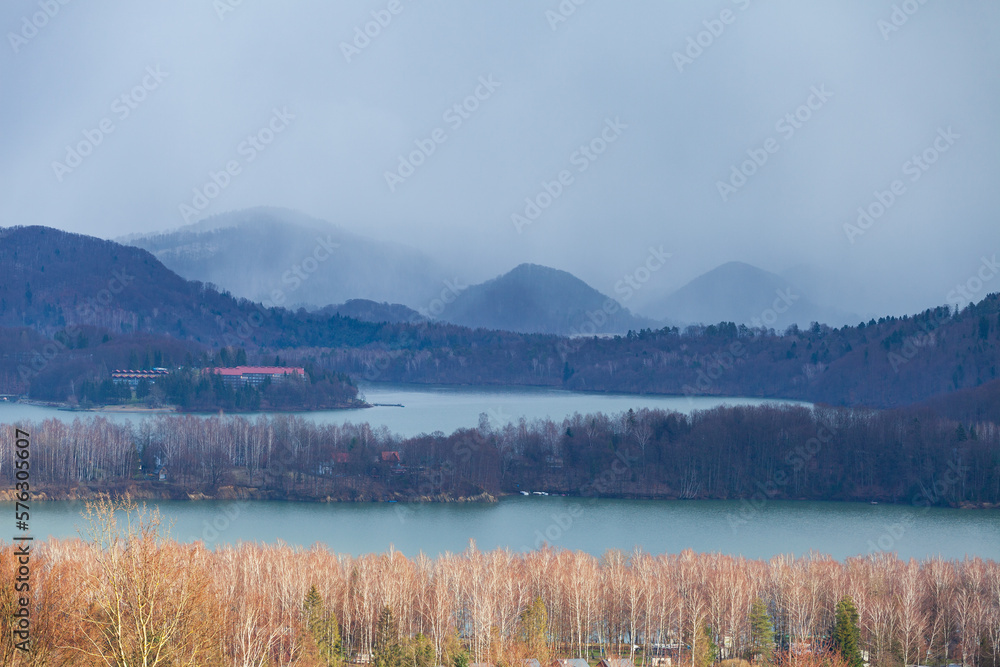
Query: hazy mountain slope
<point x="54" y="279"/>
<point x="845" y="298"/>
<point x="538" y="299"/>
<point x="281" y="257"/>
<point x="88" y="297"/>
<point x="371" y="311"/>
<point x="741" y="293"/>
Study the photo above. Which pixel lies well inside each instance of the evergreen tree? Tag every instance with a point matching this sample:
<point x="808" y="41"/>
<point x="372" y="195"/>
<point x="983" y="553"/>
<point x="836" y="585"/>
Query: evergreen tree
<point x="420" y="652"/>
<point x="846" y="636"/>
<point x="761" y="634"/>
<point x="387" y="651"/>
<point x="453" y="654"/>
<point x="322" y="627"/>
<point x="703" y="648"/>
<point x="535" y="630"/>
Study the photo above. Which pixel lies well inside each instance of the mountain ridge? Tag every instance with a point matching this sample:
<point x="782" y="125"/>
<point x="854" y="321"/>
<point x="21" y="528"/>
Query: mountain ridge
<point x="745" y="294"/>
<point x="531" y="298"/>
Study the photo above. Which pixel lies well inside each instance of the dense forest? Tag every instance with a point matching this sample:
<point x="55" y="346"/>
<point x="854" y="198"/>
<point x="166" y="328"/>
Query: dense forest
<point x="129" y="596"/>
<point x="747" y="452"/>
<point x="192" y="390"/>
<point x="73" y="307"/>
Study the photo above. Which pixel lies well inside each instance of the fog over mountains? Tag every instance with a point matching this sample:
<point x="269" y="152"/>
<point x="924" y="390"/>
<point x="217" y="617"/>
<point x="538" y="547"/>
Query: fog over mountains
<point x="284" y="258"/>
<point x="741" y="293"/>
<point x="261" y="106"/>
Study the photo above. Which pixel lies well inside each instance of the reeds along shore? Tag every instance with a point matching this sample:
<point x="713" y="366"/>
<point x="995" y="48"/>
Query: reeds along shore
<point x="129" y="595"/>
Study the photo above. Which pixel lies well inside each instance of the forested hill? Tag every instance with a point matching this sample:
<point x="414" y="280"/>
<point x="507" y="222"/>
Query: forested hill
<point x="885" y="363"/>
<point x="538" y="299"/>
<point x="52" y="279"/>
<point x="100" y="301"/>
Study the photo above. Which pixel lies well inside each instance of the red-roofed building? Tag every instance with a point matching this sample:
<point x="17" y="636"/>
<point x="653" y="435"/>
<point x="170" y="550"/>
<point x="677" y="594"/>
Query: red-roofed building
<point x="390" y="457"/>
<point x="257" y="375"/>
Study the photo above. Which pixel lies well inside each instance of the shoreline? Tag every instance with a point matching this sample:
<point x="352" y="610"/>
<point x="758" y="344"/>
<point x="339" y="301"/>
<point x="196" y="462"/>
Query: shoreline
<point x="175" y="410"/>
<point x="154" y="491"/>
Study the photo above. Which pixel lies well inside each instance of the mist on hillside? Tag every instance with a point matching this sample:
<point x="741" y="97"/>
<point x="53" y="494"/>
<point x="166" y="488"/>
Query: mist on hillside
<point x="843" y="147"/>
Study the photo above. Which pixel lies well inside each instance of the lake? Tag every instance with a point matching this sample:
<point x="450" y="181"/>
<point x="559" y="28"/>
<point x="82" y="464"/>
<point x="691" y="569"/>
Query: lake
<point x="434" y="408"/>
<point x="840" y="529"/>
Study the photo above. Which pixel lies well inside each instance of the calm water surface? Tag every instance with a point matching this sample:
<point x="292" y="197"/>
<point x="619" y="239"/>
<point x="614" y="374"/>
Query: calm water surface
<point x="839" y="529"/>
<point x="429" y="409"/>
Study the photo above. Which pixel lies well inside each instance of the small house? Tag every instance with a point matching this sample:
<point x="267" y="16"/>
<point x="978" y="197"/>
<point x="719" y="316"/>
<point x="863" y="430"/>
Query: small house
<point x="615" y="662"/>
<point x="569" y="662"/>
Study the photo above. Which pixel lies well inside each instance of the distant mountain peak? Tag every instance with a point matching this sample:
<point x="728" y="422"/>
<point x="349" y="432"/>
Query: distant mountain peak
<point x="746" y="294"/>
<point x="532" y="298"/>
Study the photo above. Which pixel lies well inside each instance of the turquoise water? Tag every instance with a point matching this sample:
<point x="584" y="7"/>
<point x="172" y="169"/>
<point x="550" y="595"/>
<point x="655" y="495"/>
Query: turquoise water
<point x="731" y="527"/>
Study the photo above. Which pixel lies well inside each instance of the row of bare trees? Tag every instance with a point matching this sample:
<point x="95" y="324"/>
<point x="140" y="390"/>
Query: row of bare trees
<point x="795" y="452"/>
<point x="130" y="597"/>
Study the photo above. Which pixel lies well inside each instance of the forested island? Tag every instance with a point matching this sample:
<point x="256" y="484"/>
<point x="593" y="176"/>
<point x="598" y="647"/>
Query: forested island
<point x="753" y="453"/>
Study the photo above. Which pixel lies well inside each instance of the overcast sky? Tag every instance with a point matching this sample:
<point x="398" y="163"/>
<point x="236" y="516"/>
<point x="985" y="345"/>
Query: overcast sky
<point x="183" y="84"/>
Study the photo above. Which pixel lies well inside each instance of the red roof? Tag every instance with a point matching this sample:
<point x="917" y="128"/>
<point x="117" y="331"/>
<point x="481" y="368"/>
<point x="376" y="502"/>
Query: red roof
<point x="341" y="457"/>
<point x="259" y="370"/>
<point x="391" y="457"/>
